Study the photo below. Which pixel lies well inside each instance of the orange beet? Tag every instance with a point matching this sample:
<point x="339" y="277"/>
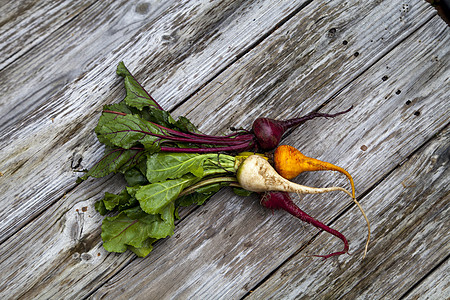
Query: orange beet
<point x="290" y="162"/>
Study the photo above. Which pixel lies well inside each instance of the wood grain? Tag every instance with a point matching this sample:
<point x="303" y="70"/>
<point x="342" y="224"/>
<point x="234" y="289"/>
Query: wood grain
<point x="68" y="48"/>
<point x="243" y="59"/>
<point x="305" y="63"/>
<point x="238" y="242"/>
<point x="409" y="211"/>
<point x="65" y="121"/>
<point x="435" y="286"/>
<point x="25" y="24"/>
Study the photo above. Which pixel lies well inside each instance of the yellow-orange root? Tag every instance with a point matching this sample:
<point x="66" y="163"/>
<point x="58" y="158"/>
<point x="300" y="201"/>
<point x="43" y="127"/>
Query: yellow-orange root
<point x="290" y="162"/>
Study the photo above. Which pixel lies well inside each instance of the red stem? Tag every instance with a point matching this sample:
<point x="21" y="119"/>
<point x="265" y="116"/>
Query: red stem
<point x="235" y="148"/>
<point x="192" y="138"/>
<point x="115" y="112"/>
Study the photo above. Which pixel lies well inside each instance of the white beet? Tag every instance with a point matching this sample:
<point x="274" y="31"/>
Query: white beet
<point x="257" y="175"/>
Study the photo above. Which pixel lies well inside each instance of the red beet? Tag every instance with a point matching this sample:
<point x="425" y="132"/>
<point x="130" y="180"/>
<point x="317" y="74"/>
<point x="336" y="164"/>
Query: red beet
<point x="282" y="200"/>
<point x="269" y="132"/>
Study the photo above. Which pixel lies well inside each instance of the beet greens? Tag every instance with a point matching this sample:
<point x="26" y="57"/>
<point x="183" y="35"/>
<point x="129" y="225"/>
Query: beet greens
<point x="169" y="163"/>
<point x="138" y="126"/>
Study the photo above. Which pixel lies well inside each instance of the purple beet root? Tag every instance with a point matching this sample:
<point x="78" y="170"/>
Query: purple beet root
<point x="282" y="200"/>
<point x="269" y="132"/>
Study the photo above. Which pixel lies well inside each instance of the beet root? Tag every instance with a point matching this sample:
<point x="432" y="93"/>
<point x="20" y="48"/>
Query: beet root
<point x="282" y="200"/>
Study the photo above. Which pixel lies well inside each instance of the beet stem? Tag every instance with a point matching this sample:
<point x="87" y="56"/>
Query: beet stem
<point x="234" y="148"/>
<point x="114" y="112"/>
<point x="297" y="212"/>
<point x="194" y="138"/>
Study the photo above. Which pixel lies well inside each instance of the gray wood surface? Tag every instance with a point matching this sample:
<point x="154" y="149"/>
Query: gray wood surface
<point x="223" y="64"/>
<point x="435" y="285"/>
<point x="409" y="213"/>
<point x="68" y="128"/>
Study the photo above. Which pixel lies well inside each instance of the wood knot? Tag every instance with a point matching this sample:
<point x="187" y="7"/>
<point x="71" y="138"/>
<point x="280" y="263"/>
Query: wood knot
<point x="76" y="161"/>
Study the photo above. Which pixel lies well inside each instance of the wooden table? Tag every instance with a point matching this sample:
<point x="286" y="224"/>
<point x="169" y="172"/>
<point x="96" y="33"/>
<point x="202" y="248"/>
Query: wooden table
<point x="222" y="64"/>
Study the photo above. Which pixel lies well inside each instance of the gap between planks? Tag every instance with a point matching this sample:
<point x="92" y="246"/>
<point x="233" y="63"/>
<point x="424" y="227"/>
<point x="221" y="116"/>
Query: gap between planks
<point x="431" y="273"/>
<point x="243" y="53"/>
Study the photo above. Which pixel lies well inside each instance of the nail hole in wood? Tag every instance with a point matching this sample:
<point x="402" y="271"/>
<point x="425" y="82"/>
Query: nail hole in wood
<point x="331" y="32"/>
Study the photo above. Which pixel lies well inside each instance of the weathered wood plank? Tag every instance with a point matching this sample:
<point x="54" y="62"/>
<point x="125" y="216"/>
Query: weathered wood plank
<point x="409" y="212"/>
<point x="66" y="52"/>
<point x="406" y="105"/>
<point x="435" y="286"/>
<point x="68" y="240"/>
<point x="184" y="43"/>
<point x="25" y="24"/>
<point x="183" y="47"/>
<point x="225" y="246"/>
<point x="237" y="261"/>
<point x="308" y="61"/>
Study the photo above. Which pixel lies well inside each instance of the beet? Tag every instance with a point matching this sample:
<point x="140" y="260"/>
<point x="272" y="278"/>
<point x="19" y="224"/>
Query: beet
<point x="269" y="132"/>
<point x="282" y="200"/>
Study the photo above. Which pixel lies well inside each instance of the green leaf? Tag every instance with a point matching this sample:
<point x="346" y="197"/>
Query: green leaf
<point x="132" y="190"/>
<point x="151" y="114"/>
<point x="137" y="96"/>
<point x="100" y="207"/>
<point x="242" y="192"/>
<point x="145" y="249"/>
<point x="135" y="177"/>
<point x="168" y="214"/>
<point x="114" y="160"/>
<point x="120" y="107"/>
<point x="119" y="202"/>
<point x="201" y="194"/>
<point x="185" y="125"/>
<point x="155" y="196"/>
<point x="193" y="199"/>
<point x="159" y="116"/>
<point x="135" y="213"/>
<point x="128" y="131"/>
<point x="155" y="115"/>
<point x="164" y="165"/>
<point x="134" y="228"/>
<point x="111" y="201"/>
